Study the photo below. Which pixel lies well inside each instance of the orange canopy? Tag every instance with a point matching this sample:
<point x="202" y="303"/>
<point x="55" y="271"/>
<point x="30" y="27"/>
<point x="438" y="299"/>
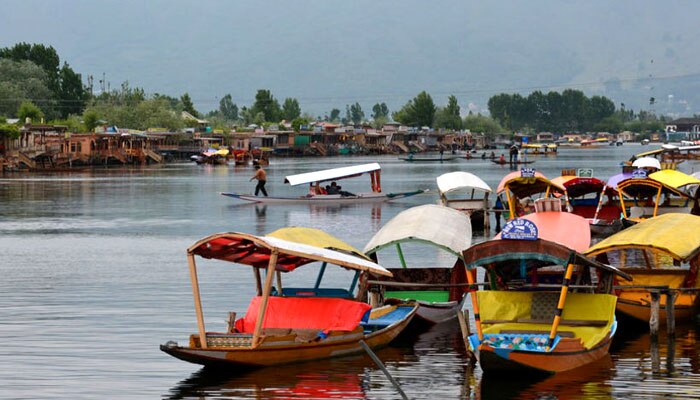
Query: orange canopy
<point x="563" y="228"/>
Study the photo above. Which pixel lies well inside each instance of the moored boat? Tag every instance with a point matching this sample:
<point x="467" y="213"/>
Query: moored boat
<point x="467" y="193"/>
<point x="517" y="162"/>
<point x="412" y="158"/>
<point x="543" y="307"/>
<point x="530" y="185"/>
<point x="289" y="324"/>
<point x="436" y="289"/>
<point x="659" y="252"/>
<point x="320" y="195"/>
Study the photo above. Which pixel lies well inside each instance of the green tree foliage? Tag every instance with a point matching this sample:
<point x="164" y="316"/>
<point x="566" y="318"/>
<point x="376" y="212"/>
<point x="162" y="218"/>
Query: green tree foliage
<point x="334" y="116"/>
<point x="266" y="104"/>
<point x="449" y="116"/>
<point x="228" y="109"/>
<point x="418" y="112"/>
<point x="380" y="111"/>
<point x="290" y="109"/>
<point x="9" y="130"/>
<point x="356" y="115"/>
<point x="187" y="105"/>
<point x="482" y="124"/>
<point x="43" y="56"/>
<point x="29" y="110"/>
<point x="90" y="119"/>
<point x="298" y="122"/>
<point x="23" y="80"/>
<point x="72" y="96"/>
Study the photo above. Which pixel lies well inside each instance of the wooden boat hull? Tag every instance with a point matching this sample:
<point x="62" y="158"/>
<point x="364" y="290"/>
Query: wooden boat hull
<point x="427" y="159"/>
<point x="437" y="313"/>
<point x="284" y="351"/>
<point x="499" y="360"/>
<point x="325" y="199"/>
<point x="642" y="312"/>
<point x="499" y="162"/>
<point x="605" y="228"/>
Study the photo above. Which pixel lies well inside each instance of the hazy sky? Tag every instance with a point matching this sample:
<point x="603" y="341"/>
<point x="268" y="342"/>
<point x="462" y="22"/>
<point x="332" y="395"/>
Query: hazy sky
<point x="331" y="53"/>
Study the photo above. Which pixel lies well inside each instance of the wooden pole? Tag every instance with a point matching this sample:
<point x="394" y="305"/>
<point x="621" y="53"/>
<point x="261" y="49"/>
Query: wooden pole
<point x="656" y="203"/>
<point x="197" y="301"/>
<point x="654" y="314"/>
<point x="511" y="205"/>
<point x="471" y="278"/>
<point x="403" y="260"/>
<point x="487" y="220"/>
<point x="562" y="301"/>
<point x="265" y="297"/>
<point x="670" y="312"/>
<point x="383" y="368"/>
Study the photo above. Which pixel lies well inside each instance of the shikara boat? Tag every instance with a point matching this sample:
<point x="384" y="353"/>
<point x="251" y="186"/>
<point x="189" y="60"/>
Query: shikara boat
<point x="286" y="325"/>
<point x="412" y="158"/>
<point x="540" y="148"/>
<point x="212" y="156"/>
<point x="437" y="289"/>
<point x="543" y="307"/>
<point x="335" y="174"/>
<point x="528" y="183"/>
<point x="467" y="193"/>
<point x="641" y="194"/>
<point x="663" y="251"/>
<point x="593" y="199"/>
<point x="504" y="162"/>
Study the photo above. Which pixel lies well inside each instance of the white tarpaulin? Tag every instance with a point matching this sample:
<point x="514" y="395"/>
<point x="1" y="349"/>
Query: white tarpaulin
<point x="460" y="180"/>
<point x="330" y="174"/>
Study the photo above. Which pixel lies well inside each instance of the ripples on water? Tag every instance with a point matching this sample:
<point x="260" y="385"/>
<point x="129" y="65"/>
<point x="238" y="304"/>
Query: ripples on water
<point x="94" y="278"/>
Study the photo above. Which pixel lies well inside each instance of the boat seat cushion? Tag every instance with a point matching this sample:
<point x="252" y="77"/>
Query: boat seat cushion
<point x="326" y="314"/>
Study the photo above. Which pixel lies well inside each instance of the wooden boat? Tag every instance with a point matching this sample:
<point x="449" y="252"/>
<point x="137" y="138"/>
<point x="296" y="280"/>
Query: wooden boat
<point x="286" y="325"/>
<point x="587" y="198"/>
<point x="467" y="193"/>
<point x="663" y="251"/>
<point x="540" y="148"/>
<point x="504" y="162"/>
<point x="316" y="178"/>
<point x="213" y="157"/>
<point x="436" y="289"/>
<point x="641" y="194"/>
<point x="241" y="157"/>
<point x="411" y="158"/>
<point x="528" y="184"/>
<point x="544" y="307"/>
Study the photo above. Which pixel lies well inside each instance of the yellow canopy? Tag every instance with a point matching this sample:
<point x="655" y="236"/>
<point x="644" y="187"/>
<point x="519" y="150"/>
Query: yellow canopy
<point x="678" y="235"/>
<point x="222" y="152"/>
<point x="673" y="178"/>
<point x="316" y="238"/>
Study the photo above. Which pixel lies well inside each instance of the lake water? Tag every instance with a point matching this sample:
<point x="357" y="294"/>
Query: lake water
<point x="94" y="278"/>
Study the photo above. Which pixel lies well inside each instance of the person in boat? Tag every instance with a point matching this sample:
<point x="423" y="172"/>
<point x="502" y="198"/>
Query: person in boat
<point x="502" y="159"/>
<point x="483" y="156"/>
<point x="525" y="206"/>
<point x="442" y="151"/>
<point x="261" y="176"/>
<point x="493" y="155"/>
<point x="513" y="153"/>
<point x="333" y="188"/>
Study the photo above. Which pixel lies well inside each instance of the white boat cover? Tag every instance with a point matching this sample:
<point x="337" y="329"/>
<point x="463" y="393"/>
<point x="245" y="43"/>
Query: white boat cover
<point x="647" y="162"/>
<point x="441" y="226"/>
<point x="331" y="174"/>
<point x="460" y="180"/>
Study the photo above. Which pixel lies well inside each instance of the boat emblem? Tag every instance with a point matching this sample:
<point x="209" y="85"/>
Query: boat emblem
<point x="519" y="229"/>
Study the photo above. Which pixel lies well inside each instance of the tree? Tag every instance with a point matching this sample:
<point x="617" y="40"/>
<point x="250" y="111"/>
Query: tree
<point x="482" y="124"/>
<point x="72" y="94"/>
<point x="29" y="110"/>
<point x="187" y="105"/>
<point x="90" y="119"/>
<point x="9" y="130"/>
<point x="228" y="109"/>
<point x="418" y="112"/>
<point x="290" y="109"/>
<point x="356" y="115"/>
<point x="449" y="117"/>
<point x="298" y="122"/>
<point x="265" y="103"/>
<point x="44" y="57"/>
<point x="380" y="111"/>
<point x="335" y="115"/>
<point x="23" y="80"/>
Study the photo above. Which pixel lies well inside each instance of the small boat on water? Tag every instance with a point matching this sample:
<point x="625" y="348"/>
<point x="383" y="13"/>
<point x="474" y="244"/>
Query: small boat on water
<point x="286" y="325"/>
<point x="515" y="162"/>
<point x="530" y="185"/>
<point x="467" y="193"/>
<point x="543" y="307"/>
<point x="319" y="197"/>
<point x="212" y="156"/>
<point x="436" y="289"/>
<point x="412" y="158"/>
<point x="663" y="251"/>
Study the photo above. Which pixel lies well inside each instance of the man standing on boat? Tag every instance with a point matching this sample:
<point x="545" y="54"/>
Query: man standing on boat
<point x="261" y="176"/>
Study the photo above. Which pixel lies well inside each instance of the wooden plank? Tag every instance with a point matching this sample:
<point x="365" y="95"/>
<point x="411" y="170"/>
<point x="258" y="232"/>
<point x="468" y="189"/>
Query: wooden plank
<point x="197" y="300"/>
<point x="654" y="314"/>
<point x="266" y="296"/>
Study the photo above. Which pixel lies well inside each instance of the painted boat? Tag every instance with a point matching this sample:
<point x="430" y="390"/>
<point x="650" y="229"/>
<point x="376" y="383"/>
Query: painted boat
<point x="319" y="195"/>
<point x="428" y="159"/>
<point x="541" y="309"/>
<point x="663" y="251"/>
<point x="440" y="291"/>
<point x="285" y="325"/>
<point x="504" y="162"/>
<point x="527" y="191"/>
<point x="467" y="193"/>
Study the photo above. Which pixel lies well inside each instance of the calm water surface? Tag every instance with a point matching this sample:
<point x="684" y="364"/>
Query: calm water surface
<point x="94" y="278"/>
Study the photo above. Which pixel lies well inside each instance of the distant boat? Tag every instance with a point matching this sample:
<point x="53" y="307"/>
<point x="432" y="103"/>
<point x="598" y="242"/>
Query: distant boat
<point x="503" y="162"/>
<point x="428" y="159"/>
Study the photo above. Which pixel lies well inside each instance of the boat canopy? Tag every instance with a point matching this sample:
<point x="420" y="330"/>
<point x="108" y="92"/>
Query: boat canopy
<point x="247" y="249"/>
<point x="647" y="162"/>
<point x="578" y="186"/>
<point x="512" y="175"/>
<point x="615" y="179"/>
<point x="461" y="180"/>
<point x="331" y="174"/>
<point x="440" y="226"/>
<point x="523" y="187"/>
<point x="564" y="228"/>
<point x="677" y="235"/>
<point x="497" y="253"/>
<point x="674" y="179"/>
<point x="317" y="238"/>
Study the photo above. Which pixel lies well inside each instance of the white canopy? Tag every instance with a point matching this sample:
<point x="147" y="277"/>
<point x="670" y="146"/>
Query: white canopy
<point x="647" y="162"/>
<point x="441" y="226"/>
<point x="331" y="174"/>
<point x="460" y="180"/>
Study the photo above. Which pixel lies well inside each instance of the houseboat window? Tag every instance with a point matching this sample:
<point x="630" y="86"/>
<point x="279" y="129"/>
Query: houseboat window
<point x="72" y="147"/>
<point x="80" y="147"/>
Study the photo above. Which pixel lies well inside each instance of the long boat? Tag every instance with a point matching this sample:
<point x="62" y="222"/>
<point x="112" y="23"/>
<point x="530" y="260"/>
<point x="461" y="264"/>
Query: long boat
<point x="467" y="193"/>
<point x="285" y="325"/>
<point x="436" y="289"/>
<point x="504" y="162"/>
<point x="334" y="174"/>
<point x="528" y="184"/>
<point x="543" y="307"/>
<point x="411" y="158"/>
<point x="663" y="251"/>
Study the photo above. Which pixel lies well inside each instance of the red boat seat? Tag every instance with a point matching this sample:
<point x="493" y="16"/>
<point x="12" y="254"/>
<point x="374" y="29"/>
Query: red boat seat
<point x="327" y="314"/>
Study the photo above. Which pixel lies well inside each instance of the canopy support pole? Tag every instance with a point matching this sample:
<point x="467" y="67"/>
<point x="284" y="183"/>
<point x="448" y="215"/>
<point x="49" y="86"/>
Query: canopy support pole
<point x="471" y="279"/>
<point x="511" y="205"/>
<point x="622" y="203"/>
<point x="403" y="261"/>
<point x="266" y="296"/>
<point x="658" y="200"/>
<point x="320" y="275"/>
<point x="354" y="281"/>
<point x="562" y="301"/>
<point x="197" y="301"/>
<point x="600" y="204"/>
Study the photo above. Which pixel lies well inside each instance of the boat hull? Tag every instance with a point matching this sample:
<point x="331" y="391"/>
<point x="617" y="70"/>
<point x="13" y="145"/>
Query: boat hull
<point x="419" y="159"/>
<point x="642" y="312"/>
<point x="325" y="199"/>
<point x="605" y="228"/>
<point x="284" y="351"/>
<point x="492" y="360"/>
<point x="499" y="162"/>
<point x="437" y="313"/>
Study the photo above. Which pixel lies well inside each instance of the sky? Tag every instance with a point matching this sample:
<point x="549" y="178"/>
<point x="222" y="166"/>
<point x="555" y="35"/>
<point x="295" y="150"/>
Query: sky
<point x="330" y="53"/>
